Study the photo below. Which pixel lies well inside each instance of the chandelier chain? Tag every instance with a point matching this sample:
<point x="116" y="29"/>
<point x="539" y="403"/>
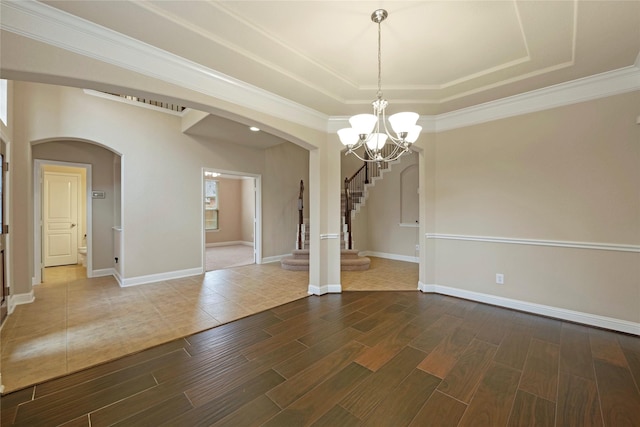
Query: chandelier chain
<point x="379" y="94"/>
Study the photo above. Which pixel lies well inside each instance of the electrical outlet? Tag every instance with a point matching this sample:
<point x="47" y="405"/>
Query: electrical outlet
<point x="500" y="279"/>
<point x="417" y="247"/>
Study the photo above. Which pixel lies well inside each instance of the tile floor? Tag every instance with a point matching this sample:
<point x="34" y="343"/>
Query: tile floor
<point x="77" y="322"/>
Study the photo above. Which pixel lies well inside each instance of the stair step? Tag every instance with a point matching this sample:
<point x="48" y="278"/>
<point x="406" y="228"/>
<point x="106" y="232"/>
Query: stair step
<point x="349" y="261"/>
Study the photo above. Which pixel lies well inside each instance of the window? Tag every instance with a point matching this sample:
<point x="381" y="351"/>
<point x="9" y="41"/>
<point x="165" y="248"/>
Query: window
<point x="210" y="201"/>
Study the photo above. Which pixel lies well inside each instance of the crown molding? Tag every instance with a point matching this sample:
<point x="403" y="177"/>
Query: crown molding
<point x="602" y="85"/>
<point x="49" y="25"/>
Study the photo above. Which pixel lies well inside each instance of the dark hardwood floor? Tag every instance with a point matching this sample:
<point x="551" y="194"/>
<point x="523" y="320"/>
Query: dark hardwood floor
<point x="358" y="358"/>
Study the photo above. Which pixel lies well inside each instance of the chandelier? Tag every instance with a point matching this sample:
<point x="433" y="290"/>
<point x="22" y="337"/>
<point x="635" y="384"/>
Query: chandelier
<point x="365" y="130"/>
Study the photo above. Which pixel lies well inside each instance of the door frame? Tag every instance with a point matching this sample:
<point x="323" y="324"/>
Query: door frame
<point x="38" y="164"/>
<point x="257" y="215"/>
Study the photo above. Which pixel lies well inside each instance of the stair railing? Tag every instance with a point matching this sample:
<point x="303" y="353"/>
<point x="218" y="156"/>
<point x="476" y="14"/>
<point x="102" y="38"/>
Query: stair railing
<point x="300" y="215"/>
<point x="347" y="212"/>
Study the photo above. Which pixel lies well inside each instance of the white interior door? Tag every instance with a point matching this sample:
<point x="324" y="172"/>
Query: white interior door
<point x="60" y="219"/>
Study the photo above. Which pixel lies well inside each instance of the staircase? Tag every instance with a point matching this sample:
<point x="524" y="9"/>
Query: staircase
<point x="353" y="198"/>
<point x="299" y="259"/>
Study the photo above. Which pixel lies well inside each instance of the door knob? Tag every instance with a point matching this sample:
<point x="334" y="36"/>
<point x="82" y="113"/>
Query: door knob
<point x="73" y="225"/>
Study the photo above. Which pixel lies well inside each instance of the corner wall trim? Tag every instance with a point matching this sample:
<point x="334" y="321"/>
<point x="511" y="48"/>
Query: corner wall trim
<point x="276" y="258"/>
<point x="103" y="272"/>
<point x="529" y="307"/>
<point x="326" y="289"/>
<point x="395" y="257"/>
<point x="534" y="242"/>
<point x="20" y="299"/>
<point x="141" y="280"/>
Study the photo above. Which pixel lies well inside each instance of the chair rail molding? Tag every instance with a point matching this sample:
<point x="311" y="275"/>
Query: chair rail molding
<point x="536" y="242"/>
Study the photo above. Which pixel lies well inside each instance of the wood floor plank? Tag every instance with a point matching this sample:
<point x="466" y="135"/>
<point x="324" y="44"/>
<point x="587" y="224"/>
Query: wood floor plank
<point x="302" y="320"/>
<point x="321" y="399"/>
<point x="82" y="421"/>
<point x="374" y="320"/>
<point x="232" y="329"/>
<point x="304" y="359"/>
<point x="575" y="351"/>
<point x="129" y="406"/>
<point x="436" y="332"/>
<point x="462" y="380"/>
<point x="229" y="344"/>
<point x="495" y="327"/>
<point x="361" y="401"/>
<point x="619" y="396"/>
<point x="285" y="337"/>
<point x="605" y="346"/>
<point x="540" y="374"/>
<point x="532" y="411"/>
<point x="157" y="414"/>
<point x="329" y="329"/>
<point x="491" y="404"/>
<point x="9" y="404"/>
<point x="513" y="349"/>
<point x="547" y="329"/>
<point x="35" y="413"/>
<point x="404" y="401"/>
<point x="439" y="411"/>
<point x="578" y="403"/>
<point x="629" y="342"/>
<point x="337" y="416"/>
<point x="375" y="357"/>
<point x="254" y="413"/>
<point x="295" y="387"/>
<point x="633" y="359"/>
<point x="227" y="403"/>
<point x="203" y="364"/>
<point x="350" y="308"/>
<point x="92" y="373"/>
<point x="442" y="359"/>
<point x="388" y="326"/>
<point x="212" y="388"/>
<point x="99" y="383"/>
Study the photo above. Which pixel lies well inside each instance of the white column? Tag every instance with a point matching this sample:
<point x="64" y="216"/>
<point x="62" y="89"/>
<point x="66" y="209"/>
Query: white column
<point x="324" y="216"/>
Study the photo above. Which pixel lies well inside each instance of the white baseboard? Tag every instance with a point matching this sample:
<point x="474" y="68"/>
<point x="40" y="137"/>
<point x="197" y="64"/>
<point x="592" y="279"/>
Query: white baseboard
<point x="326" y="289"/>
<point x="34" y="281"/>
<point x="103" y="272"/>
<point x="395" y="257"/>
<point x="233" y="243"/>
<point x="118" y="277"/>
<point x="20" y="299"/>
<point x="141" y="280"/>
<point x="544" y="310"/>
<point x="276" y="258"/>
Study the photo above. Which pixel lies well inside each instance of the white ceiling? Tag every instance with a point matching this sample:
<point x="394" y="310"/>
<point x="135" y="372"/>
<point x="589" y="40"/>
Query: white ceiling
<point x="320" y="57"/>
<point x="437" y="56"/>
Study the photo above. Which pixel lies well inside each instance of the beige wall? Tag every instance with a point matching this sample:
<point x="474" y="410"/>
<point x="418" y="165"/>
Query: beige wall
<point x="101" y="161"/>
<point x="566" y="174"/>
